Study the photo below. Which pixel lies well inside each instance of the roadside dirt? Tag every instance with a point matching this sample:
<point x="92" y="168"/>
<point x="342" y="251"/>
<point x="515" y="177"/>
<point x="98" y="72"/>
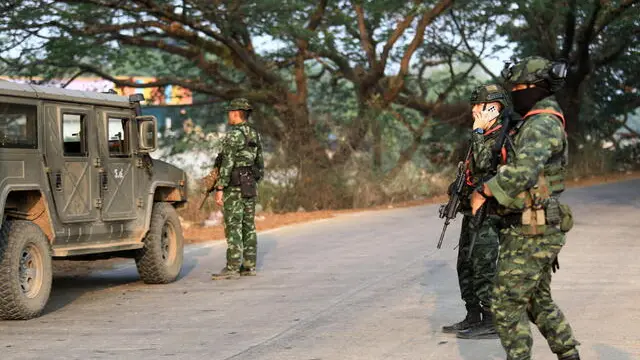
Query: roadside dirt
<point x="265" y="221"/>
<point x="196" y="233"/>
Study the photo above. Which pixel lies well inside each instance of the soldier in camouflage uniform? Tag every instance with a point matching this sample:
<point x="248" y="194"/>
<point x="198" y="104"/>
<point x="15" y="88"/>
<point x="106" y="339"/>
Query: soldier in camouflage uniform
<point x="533" y="220"/>
<point x="476" y="273"/>
<point x="241" y="167"/>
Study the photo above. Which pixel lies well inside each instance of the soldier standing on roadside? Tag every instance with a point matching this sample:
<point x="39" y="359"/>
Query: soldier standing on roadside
<point x="533" y="220"/>
<point x="476" y="271"/>
<point x="240" y="168"/>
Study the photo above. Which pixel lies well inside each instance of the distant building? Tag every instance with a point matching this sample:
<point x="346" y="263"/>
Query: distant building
<point x="160" y="101"/>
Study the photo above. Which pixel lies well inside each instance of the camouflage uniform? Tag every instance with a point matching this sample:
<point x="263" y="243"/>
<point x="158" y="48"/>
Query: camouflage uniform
<point x="476" y="274"/>
<point x="241" y="148"/>
<point x="531" y="239"/>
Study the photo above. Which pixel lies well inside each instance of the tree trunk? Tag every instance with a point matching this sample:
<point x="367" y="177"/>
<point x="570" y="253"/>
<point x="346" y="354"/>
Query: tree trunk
<point x="377" y="145"/>
<point x="570" y="99"/>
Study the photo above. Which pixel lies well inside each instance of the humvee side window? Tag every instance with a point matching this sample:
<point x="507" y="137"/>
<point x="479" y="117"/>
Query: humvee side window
<point x="75" y="142"/>
<point x="18" y="126"/>
<point x="118" y="137"/>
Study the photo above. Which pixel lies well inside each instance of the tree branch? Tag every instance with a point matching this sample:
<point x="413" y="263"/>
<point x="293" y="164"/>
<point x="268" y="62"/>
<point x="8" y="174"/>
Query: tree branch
<point x="614" y="52"/>
<point x="365" y="38"/>
<point x="397" y="33"/>
<point x="570" y="29"/>
<point x="397" y="82"/>
<point x="303" y="45"/>
<point x="613" y="14"/>
<point x="470" y="50"/>
<point x="583" y="58"/>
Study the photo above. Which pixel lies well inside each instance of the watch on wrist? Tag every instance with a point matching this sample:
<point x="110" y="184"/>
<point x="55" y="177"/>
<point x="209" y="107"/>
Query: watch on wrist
<point x="478" y="131"/>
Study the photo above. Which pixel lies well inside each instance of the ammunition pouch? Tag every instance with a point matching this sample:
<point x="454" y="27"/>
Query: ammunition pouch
<point x="243" y="176"/>
<point x="542" y="211"/>
<point x="256" y="172"/>
<point x="543" y="221"/>
<point x="558" y="215"/>
<point x="552" y="211"/>
<point x="566" y="218"/>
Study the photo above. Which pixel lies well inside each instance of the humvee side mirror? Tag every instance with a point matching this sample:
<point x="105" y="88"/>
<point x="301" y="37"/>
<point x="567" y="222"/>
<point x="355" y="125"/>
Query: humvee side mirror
<point x="147" y="133"/>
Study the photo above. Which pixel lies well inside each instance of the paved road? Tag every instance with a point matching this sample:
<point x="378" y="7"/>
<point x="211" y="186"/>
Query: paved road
<point x="362" y="286"/>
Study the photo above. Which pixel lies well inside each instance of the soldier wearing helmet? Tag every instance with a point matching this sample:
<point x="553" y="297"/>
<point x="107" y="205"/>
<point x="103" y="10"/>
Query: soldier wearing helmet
<point x="241" y="165"/>
<point x="476" y="266"/>
<point x="533" y="221"/>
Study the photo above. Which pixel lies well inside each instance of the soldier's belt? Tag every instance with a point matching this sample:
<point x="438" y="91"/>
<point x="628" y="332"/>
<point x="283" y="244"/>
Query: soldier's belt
<point x="513" y="219"/>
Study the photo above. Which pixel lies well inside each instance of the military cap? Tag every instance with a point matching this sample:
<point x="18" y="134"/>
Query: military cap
<point x="490" y="93"/>
<point x="535" y="70"/>
<point x="239" y="104"/>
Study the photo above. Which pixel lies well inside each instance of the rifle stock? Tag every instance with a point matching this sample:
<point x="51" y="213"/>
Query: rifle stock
<point x="204" y="199"/>
<point x="209" y="183"/>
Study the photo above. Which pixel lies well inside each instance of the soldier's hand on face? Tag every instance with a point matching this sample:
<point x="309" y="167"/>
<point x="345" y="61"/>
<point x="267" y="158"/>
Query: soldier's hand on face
<point x="219" y="198"/>
<point x="483" y="119"/>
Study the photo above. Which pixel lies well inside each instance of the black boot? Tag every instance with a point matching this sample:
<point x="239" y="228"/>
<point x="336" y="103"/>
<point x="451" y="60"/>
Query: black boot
<point x="575" y="356"/>
<point x="483" y="330"/>
<point x="473" y="317"/>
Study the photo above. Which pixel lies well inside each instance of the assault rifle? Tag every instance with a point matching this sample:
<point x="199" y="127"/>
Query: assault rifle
<point x="211" y="179"/>
<point x="449" y="210"/>
<point x="496" y="152"/>
<point x="213" y="175"/>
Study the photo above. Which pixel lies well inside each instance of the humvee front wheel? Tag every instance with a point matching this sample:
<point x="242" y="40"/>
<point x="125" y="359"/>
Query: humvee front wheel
<point x="25" y="270"/>
<point x="160" y="260"/>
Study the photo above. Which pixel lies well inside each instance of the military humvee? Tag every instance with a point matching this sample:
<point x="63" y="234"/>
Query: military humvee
<point x="77" y="182"/>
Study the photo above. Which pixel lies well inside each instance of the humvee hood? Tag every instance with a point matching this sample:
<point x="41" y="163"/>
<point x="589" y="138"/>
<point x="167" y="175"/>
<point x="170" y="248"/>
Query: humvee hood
<point x="167" y="172"/>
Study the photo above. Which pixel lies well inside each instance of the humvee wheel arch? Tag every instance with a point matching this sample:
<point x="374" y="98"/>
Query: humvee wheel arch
<point x="28" y="205"/>
<point x="25" y="270"/>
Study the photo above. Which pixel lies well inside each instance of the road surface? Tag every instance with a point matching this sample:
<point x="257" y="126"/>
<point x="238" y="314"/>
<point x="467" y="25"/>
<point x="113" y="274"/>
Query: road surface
<point x="361" y="286"/>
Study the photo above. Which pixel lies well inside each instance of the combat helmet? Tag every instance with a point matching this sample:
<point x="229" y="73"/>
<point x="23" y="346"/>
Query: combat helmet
<point x="535" y="70"/>
<point x="490" y="93"/>
<point x="239" y="104"/>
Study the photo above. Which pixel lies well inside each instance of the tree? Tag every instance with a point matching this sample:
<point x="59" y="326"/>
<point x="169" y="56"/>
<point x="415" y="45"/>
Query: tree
<point x="211" y="48"/>
<point x="600" y="40"/>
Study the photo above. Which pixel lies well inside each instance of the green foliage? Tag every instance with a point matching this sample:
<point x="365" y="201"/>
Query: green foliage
<point x="321" y="69"/>
<point x="601" y="41"/>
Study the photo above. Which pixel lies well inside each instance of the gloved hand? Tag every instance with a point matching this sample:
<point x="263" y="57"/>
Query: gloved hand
<point x="484" y="119"/>
<point x="555" y="265"/>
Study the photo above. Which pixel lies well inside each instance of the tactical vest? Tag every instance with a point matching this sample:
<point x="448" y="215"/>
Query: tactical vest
<point x="540" y="205"/>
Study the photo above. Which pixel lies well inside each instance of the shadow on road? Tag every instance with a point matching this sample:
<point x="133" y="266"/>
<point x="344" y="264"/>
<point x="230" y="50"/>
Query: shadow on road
<point x="606" y="352"/>
<point x="446" y="311"/>
<point x="618" y="195"/>
<point x="266" y="245"/>
<point x="72" y="282"/>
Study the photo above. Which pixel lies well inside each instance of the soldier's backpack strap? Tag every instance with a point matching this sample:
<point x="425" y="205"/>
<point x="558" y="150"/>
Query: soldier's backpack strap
<point x="551" y="112"/>
<point x="546" y="111"/>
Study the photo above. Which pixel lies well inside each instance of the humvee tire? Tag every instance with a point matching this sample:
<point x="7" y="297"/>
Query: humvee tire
<point x="160" y="260"/>
<point x="25" y="270"/>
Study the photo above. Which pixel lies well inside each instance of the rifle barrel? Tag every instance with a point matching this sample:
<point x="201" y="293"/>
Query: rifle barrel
<point x="206" y="196"/>
<point x="444" y="229"/>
